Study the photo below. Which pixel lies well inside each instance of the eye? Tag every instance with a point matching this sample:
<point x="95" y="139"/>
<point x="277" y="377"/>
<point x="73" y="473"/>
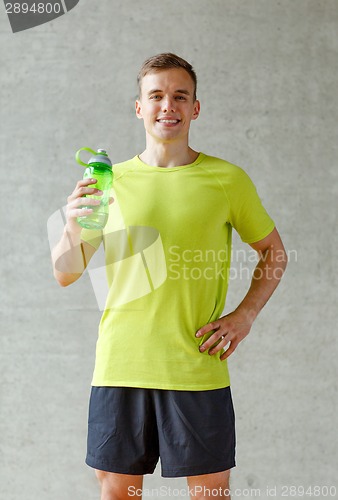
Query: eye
<point x="155" y="97"/>
<point x="180" y="98"/>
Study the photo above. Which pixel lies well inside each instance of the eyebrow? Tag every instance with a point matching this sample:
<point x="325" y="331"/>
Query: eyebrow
<point x="178" y="91"/>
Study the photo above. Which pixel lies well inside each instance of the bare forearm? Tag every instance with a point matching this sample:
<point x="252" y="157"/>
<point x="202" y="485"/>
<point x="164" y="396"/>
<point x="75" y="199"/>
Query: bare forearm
<point x="71" y="256"/>
<point x="234" y="327"/>
<point x="265" y="279"/>
<point x="68" y="258"/>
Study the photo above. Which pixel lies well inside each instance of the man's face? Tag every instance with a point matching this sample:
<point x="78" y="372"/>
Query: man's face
<point x="167" y="104"/>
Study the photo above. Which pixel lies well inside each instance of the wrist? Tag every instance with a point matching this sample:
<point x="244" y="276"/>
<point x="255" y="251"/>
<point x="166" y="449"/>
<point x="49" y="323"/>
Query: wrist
<point x="73" y="236"/>
<point x="249" y="313"/>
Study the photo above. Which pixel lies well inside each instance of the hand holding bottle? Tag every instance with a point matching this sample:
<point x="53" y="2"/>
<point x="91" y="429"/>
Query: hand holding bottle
<point x="99" y="167"/>
<point x="80" y="205"/>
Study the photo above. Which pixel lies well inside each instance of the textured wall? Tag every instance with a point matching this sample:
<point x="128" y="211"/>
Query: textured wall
<point x="268" y="86"/>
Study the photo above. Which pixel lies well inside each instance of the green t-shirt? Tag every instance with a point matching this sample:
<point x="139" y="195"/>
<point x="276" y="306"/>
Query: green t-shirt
<point x="168" y="249"/>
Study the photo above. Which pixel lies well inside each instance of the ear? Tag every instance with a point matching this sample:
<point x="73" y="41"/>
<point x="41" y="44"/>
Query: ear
<point x="138" y="109"/>
<point x="197" y="109"/>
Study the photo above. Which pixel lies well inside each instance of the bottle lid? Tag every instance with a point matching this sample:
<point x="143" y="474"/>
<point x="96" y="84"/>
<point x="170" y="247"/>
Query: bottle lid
<point x="98" y="157"/>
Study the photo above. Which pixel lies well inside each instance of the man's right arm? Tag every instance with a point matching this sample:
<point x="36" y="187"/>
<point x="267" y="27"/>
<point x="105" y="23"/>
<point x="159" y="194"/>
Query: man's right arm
<point x="71" y="255"/>
<point x="70" y="258"/>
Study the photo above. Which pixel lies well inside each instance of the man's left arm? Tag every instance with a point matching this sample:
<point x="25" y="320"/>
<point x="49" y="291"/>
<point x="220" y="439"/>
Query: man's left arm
<point x="234" y="327"/>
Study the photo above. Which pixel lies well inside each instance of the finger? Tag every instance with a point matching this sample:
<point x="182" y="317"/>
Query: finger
<point x="81" y="187"/>
<point x="207" y="328"/>
<point x="229" y="351"/>
<point x="111" y="200"/>
<point x="81" y="202"/>
<point x="83" y="190"/>
<point x="223" y="342"/>
<point x="79" y="212"/>
<point x="80" y="198"/>
<point x="211" y="341"/>
<point x="76" y="210"/>
<point x="79" y="193"/>
<point x="86" y="182"/>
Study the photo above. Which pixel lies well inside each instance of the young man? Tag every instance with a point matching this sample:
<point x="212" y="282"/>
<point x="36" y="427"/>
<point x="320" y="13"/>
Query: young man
<point x="161" y="385"/>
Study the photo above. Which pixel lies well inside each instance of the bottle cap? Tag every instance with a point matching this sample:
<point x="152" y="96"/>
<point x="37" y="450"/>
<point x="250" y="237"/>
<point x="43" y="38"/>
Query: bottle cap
<point x="98" y="157"/>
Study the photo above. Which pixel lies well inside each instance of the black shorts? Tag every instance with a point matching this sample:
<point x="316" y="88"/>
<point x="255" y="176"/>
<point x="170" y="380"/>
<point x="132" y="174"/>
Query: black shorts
<point x="193" y="432"/>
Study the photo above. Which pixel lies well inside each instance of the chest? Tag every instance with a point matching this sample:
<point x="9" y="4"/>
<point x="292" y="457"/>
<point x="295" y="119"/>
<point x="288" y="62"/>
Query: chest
<point x="169" y="201"/>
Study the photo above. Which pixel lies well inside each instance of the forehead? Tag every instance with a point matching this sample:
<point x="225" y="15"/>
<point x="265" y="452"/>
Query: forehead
<point x="167" y="79"/>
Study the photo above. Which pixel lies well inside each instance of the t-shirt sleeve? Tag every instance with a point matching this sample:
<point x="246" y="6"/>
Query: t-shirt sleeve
<point x="92" y="236"/>
<point x="247" y="214"/>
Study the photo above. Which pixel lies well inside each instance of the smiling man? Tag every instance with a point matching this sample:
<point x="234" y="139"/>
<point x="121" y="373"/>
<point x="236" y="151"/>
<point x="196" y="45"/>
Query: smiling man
<point x="167" y="104"/>
<point x="161" y="385"/>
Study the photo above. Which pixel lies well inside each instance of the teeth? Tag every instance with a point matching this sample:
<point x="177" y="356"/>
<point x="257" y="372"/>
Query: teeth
<point x="168" y="121"/>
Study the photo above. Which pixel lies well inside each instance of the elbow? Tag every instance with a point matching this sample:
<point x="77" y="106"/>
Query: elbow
<point x="282" y="262"/>
<point x="64" y="279"/>
<point x="61" y="282"/>
<point x="286" y="261"/>
<point x="285" y="257"/>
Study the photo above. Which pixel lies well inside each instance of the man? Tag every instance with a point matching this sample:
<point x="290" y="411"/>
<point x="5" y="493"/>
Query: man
<point x="161" y="385"/>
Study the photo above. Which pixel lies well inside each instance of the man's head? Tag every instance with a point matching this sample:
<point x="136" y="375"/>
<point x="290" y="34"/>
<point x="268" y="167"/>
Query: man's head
<point x="167" y="102"/>
<point x="162" y="62"/>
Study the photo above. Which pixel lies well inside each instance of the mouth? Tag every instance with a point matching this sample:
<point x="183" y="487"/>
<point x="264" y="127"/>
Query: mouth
<point x="167" y="121"/>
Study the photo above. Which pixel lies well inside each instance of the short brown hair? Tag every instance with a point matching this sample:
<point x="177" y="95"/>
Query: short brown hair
<point x="166" y="60"/>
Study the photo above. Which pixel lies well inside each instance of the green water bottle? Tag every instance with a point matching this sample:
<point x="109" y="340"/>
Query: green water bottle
<point x="99" y="167"/>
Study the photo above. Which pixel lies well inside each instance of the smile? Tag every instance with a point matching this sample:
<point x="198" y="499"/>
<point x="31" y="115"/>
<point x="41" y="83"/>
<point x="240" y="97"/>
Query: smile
<point x="168" y="121"/>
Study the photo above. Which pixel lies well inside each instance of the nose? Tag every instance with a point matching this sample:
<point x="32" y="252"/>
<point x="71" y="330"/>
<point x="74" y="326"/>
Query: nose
<point x="168" y="105"/>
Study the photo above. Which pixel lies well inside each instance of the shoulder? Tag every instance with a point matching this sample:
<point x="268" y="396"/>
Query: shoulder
<point x="125" y="166"/>
<point x="223" y="168"/>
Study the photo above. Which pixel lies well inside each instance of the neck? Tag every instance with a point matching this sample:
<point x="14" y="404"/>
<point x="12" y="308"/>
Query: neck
<point x="168" y="155"/>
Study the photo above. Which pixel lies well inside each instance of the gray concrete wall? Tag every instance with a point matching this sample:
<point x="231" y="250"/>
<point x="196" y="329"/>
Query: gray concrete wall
<point x="268" y="86"/>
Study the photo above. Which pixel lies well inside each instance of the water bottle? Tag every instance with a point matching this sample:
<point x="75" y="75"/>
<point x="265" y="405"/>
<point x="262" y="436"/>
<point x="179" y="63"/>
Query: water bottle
<point x="99" y="167"/>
